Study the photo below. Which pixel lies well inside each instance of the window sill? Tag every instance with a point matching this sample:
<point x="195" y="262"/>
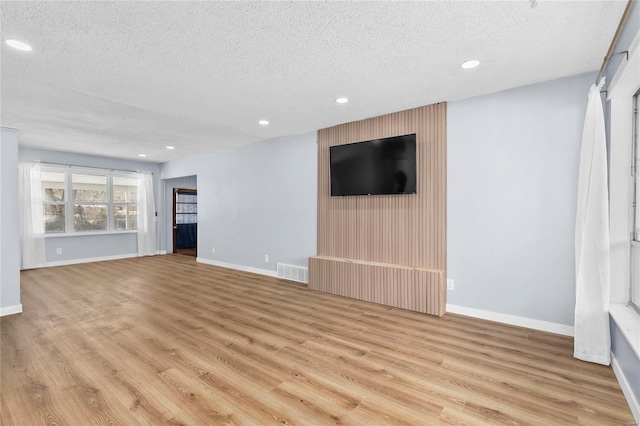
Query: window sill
<point x="628" y="321"/>
<point x="89" y="234"/>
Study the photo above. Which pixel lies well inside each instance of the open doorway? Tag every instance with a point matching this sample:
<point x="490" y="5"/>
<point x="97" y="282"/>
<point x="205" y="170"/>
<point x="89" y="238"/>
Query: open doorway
<point x="185" y="221"/>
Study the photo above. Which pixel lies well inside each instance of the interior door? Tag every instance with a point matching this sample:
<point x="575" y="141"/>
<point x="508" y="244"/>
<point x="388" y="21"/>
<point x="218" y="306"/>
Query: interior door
<point x="185" y="221"/>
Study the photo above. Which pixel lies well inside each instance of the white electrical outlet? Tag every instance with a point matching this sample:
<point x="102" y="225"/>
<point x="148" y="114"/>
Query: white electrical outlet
<point x="266" y="257"/>
<point x="213" y="250"/>
<point x="59" y="250"/>
<point x="450" y="284"/>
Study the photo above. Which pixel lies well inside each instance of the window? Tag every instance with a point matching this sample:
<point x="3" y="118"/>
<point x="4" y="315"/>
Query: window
<point x="622" y="96"/>
<point x="125" y="209"/>
<point x="186" y="207"/>
<point x="89" y="202"/>
<point x="634" y="291"/>
<point x="78" y="202"/>
<point x="53" y="198"/>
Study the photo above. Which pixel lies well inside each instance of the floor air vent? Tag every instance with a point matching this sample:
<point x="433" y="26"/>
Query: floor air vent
<point x="293" y="272"/>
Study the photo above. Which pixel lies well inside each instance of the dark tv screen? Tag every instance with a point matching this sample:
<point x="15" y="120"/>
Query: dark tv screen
<point x="380" y="166"/>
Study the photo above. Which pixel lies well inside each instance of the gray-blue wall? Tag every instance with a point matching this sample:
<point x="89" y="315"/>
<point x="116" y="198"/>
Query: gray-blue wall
<point x="254" y="200"/>
<point x="512" y="173"/>
<point x="78" y="247"/>
<point x="512" y="179"/>
<point x="9" y="221"/>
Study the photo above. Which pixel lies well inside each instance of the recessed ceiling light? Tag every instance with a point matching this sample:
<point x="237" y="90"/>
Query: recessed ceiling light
<point x="171" y="147"/>
<point x="18" y="45"/>
<point x="142" y="155"/>
<point x="470" y="64"/>
<point x="342" y="100"/>
<point x="263" y="122"/>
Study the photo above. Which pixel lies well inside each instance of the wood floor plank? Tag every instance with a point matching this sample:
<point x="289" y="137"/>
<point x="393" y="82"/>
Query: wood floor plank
<point x="451" y="416"/>
<point x="165" y="340"/>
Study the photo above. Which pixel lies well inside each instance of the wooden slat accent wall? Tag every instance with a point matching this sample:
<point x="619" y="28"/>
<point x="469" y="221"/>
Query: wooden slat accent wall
<point x="415" y="289"/>
<point x="403" y="230"/>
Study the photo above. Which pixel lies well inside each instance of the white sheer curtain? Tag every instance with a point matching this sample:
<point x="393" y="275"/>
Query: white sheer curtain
<point x="592" y="341"/>
<point x="146" y="216"/>
<point x="31" y="216"/>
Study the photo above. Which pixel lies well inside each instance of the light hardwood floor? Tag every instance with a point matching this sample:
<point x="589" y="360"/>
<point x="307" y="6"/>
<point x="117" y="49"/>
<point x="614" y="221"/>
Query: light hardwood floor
<point x="164" y="340"/>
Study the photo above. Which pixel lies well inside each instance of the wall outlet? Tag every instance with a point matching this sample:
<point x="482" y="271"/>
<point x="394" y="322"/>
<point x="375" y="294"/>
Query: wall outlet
<point x="213" y="250"/>
<point x="59" y="250"/>
<point x="266" y="257"/>
<point x="450" y="284"/>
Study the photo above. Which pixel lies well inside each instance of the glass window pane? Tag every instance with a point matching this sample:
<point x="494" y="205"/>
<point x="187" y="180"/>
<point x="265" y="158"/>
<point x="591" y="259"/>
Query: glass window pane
<point x="186" y="208"/>
<point x="635" y="275"/>
<point x="637" y="176"/>
<point x="53" y="218"/>
<point x="635" y="251"/>
<point x="89" y="188"/>
<point x="120" y="217"/>
<point x="133" y="216"/>
<point x="186" y="218"/>
<point x="636" y="233"/>
<point x="187" y="198"/>
<point x="52" y="186"/>
<point x="89" y="217"/>
<point x="125" y="217"/>
<point x="125" y="190"/>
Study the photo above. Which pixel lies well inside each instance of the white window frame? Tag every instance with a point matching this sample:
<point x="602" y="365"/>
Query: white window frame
<point x="69" y="201"/>
<point x="634" y="279"/>
<point x="72" y="202"/>
<point x="57" y="203"/>
<point x="621" y="91"/>
<point x="128" y="203"/>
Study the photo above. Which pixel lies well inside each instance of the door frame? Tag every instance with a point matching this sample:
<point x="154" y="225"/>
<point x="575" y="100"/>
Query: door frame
<point x="177" y="191"/>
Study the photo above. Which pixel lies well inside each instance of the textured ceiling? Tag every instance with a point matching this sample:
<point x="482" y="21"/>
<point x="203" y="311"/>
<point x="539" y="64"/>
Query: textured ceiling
<point x="122" y="78"/>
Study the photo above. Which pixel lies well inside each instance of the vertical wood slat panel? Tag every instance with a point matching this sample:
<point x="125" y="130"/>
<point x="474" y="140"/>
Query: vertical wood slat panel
<point x="403" y="230"/>
<point x="407" y="288"/>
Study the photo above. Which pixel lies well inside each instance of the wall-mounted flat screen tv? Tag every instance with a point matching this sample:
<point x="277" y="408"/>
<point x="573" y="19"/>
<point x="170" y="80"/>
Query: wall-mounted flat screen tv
<point x="380" y="166"/>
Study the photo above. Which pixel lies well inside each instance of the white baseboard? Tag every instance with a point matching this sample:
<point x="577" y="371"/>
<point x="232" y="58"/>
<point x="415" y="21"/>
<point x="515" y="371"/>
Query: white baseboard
<point x="10" y="310"/>
<point x="633" y="402"/>
<point x="90" y="259"/>
<point x="237" y="267"/>
<point x="551" y="327"/>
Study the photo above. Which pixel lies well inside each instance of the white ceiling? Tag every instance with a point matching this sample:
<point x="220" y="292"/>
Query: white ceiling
<point x="122" y="78"/>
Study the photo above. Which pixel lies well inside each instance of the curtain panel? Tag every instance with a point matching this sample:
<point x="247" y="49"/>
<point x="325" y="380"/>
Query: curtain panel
<point x="31" y="216"/>
<point x="592" y="341"/>
<point x="146" y="216"/>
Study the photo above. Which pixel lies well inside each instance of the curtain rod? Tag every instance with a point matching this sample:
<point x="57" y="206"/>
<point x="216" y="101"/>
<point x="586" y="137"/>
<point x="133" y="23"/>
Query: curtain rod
<point x="616" y="36"/>
<point x="87" y="167"/>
